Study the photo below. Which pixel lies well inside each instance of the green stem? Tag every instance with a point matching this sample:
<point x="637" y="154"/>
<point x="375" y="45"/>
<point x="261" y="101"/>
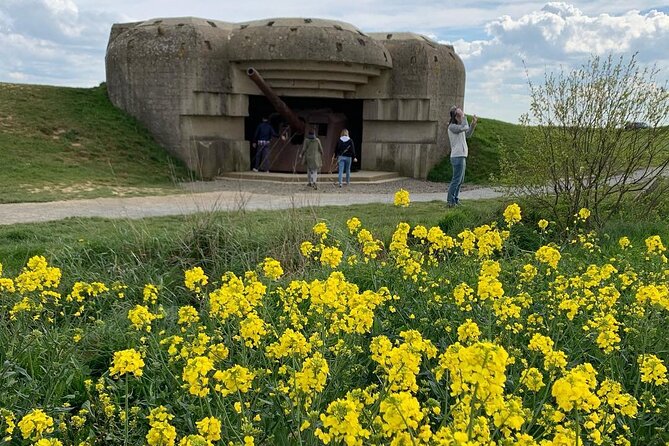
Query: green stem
<point x="125" y="438"/>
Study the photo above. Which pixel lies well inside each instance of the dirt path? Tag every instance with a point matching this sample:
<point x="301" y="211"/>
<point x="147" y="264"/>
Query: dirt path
<point x="231" y="196"/>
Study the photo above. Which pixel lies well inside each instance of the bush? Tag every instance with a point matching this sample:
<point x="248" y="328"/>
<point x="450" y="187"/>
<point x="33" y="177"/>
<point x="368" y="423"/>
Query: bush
<point x="578" y="152"/>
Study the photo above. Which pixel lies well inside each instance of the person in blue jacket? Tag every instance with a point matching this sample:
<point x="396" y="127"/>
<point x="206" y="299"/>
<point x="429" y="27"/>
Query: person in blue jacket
<point x="261" y="139"/>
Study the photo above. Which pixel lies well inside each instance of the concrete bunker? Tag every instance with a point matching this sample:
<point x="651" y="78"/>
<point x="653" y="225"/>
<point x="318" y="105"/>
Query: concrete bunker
<point x="186" y="80"/>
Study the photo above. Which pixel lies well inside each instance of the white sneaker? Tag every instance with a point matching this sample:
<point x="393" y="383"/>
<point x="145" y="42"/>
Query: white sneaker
<point x="254" y="169"/>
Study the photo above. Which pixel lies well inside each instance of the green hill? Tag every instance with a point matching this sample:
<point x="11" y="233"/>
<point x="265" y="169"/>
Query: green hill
<point x="65" y="143"/>
<point x="484" y="152"/>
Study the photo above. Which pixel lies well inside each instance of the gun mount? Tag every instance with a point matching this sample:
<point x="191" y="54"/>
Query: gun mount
<point x="316" y="113"/>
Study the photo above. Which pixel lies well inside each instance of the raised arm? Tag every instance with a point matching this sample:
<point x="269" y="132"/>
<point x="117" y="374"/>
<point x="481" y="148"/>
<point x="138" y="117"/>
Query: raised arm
<point x="471" y="128"/>
<point x="459" y="128"/>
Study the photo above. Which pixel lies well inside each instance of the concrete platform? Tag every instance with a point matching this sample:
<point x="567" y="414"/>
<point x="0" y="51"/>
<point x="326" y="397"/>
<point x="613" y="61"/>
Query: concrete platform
<point x="361" y="176"/>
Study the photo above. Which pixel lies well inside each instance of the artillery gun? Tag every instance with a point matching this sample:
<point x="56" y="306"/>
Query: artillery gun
<point x="292" y="126"/>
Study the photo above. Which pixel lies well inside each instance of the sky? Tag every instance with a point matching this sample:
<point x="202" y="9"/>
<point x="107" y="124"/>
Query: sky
<point x="502" y="43"/>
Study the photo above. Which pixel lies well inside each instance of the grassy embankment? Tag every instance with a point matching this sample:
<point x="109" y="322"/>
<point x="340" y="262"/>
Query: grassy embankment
<point x="65" y="143"/>
<point x="484" y="152"/>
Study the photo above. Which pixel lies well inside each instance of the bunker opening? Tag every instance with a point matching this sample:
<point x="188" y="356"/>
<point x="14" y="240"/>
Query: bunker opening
<point x="327" y="116"/>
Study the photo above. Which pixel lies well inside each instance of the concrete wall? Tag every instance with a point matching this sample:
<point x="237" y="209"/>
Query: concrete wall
<point x="407" y="132"/>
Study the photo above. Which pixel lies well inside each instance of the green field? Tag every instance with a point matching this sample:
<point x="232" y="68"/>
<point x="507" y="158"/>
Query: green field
<point x="64" y="143"/>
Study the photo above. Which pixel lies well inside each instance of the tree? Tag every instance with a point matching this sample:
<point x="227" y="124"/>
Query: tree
<point x="581" y="149"/>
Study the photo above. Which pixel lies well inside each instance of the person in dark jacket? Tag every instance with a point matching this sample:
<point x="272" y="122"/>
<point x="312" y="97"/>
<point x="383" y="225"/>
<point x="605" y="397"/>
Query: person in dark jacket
<point x="261" y="139"/>
<point x="345" y="153"/>
<point x="311" y="154"/>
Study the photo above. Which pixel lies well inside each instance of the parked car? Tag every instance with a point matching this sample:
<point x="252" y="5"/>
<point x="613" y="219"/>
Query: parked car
<point x="636" y="125"/>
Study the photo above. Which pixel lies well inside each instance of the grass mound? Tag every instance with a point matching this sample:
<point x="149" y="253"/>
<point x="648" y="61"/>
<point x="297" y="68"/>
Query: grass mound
<point x="484" y="152"/>
<point x="65" y="143"/>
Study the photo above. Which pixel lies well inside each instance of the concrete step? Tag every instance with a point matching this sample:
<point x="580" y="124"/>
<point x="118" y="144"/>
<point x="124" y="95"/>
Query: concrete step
<point x="361" y="176"/>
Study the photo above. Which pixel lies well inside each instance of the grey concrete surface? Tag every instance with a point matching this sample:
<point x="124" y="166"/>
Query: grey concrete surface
<point x="221" y="200"/>
<point x="185" y="80"/>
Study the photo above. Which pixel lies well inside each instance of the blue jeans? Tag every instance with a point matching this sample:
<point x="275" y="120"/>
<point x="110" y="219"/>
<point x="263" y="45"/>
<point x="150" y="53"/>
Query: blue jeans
<point x="345" y="163"/>
<point x="459" y="164"/>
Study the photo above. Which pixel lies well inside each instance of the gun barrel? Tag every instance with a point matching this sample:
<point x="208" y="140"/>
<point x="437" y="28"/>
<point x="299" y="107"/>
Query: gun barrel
<point x="289" y="115"/>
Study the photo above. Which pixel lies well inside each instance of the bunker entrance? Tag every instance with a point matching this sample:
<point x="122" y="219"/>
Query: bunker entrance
<point x="327" y="116"/>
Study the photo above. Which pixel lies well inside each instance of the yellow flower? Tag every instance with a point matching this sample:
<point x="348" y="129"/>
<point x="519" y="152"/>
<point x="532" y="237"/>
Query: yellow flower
<point x="353" y="224"/>
<point x="331" y="256"/>
<point x="543" y="224"/>
<point x="37" y="275"/>
<point x="313" y="375"/>
<point x="127" y="361"/>
<point x="321" y="229"/>
<point x="162" y="433"/>
<point x="252" y="329"/>
<point x="575" y="389"/>
<point x="48" y="442"/>
<point x="652" y="369"/>
<point x="400" y="412"/>
<point x="401" y="198"/>
<point x="468" y="331"/>
<point x="272" y="268"/>
<point x="306" y="248"/>
<point x="654" y="245"/>
<point x="532" y="379"/>
<point x="341" y="423"/>
<point x="624" y="242"/>
<point x="150" y="294"/>
<point x="548" y="255"/>
<point x="195" y="440"/>
<point x="195" y="279"/>
<point x="583" y="214"/>
<point x="141" y="318"/>
<point x="290" y="343"/>
<point x="35" y="424"/>
<point x="188" y="315"/>
<point x="234" y="379"/>
<point x="209" y="428"/>
<point x="512" y="214"/>
<point x="195" y="375"/>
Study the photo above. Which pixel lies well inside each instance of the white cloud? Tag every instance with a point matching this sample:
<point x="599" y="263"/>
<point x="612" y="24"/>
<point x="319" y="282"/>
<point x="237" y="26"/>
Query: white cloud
<point x="561" y="31"/>
<point x="559" y="35"/>
<point x="52" y="41"/>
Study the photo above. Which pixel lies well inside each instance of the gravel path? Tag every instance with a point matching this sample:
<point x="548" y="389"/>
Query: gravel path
<point x="324" y="187"/>
<point x="232" y="195"/>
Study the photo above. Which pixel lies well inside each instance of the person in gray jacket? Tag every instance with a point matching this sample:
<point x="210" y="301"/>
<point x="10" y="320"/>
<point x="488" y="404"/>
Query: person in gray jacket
<point x="458" y="132"/>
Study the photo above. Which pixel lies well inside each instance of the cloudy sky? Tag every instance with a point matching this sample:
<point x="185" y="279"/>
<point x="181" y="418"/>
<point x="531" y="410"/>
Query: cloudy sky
<point x="62" y="42"/>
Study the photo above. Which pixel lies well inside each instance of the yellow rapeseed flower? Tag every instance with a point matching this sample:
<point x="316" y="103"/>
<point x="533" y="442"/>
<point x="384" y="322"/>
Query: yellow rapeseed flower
<point x="195" y="279"/>
<point x="652" y="369"/>
<point x="209" y="428"/>
<point x="272" y="268"/>
<point x="401" y="198"/>
<point x="126" y="362"/>
<point x="512" y="214"/>
<point x="35" y="424"/>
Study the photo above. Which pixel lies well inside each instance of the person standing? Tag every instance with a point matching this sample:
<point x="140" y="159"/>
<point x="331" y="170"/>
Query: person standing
<point x="458" y="132"/>
<point x="311" y="154"/>
<point x="261" y="139"/>
<point x="345" y="153"/>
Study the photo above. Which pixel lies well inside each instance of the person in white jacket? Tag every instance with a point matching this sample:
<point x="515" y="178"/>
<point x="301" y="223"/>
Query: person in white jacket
<point x="458" y="132"/>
